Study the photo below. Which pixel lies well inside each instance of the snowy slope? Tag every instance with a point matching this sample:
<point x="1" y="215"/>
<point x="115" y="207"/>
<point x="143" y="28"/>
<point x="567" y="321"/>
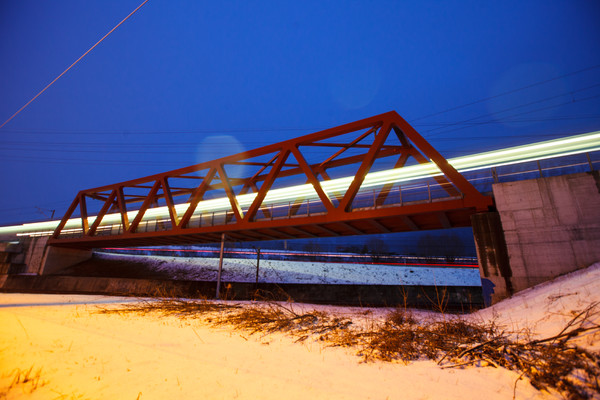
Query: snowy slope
<point x="74" y="352"/>
<point x="274" y="271"/>
<point x="544" y="310"/>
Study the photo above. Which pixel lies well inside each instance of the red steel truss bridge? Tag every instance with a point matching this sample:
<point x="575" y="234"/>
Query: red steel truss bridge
<point x="337" y="182"/>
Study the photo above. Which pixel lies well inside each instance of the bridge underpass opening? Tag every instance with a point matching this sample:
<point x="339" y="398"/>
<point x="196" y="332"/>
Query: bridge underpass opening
<point x="337" y="182"/>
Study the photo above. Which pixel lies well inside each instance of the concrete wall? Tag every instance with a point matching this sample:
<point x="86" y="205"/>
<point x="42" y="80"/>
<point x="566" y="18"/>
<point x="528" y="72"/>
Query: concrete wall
<point x="551" y="227"/>
<point x="34" y="256"/>
<point x="11" y="258"/>
<point x="56" y="259"/>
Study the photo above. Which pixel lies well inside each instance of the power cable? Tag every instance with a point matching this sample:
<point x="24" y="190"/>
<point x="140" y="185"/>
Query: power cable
<point x="146" y="162"/>
<point x="187" y="144"/>
<point x="160" y="132"/>
<point x="515" y="107"/>
<point x="507" y="93"/>
<point x="72" y="65"/>
<point x="191" y="152"/>
<point x="88" y="161"/>
<point x="80" y="161"/>
<point x="522" y="113"/>
<point x="27" y="145"/>
<point x="33" y="146"/>
<point x="246" y="131"/>
<point x="557" y="118"/>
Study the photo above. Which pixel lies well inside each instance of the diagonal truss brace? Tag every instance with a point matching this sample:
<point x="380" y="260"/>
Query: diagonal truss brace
<point x="216" y="178"/>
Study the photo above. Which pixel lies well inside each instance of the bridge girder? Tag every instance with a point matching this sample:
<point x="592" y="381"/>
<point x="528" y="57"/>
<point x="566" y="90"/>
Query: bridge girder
<point x="358" y="145"/>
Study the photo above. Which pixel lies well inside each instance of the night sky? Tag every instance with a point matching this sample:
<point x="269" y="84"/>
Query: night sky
<point x="186" y="81"/>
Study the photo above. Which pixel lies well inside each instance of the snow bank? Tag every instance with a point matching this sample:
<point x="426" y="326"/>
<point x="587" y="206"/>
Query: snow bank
<point x="276" y="271"/>
<point x="77" y="353"/>
<point x="544" y="310"/>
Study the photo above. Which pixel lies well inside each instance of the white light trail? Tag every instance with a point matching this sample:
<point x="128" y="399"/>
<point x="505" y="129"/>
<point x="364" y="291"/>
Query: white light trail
<point x="588" y="142"/>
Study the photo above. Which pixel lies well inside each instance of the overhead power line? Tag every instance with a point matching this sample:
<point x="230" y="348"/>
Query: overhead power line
<point x="192" y="147"/>
<point x="283" y="129"/>
<point x="469" y="122"/>
<point x="163" y="132"/>
<point x="492" y="121"/>
<point x="72" y="65"/>
<point x="507" y="93"/>
<point x="558" y="118"/>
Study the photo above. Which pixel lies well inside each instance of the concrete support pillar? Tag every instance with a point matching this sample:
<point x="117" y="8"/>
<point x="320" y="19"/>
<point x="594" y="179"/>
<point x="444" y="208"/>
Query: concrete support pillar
<point x="492" y="254"/>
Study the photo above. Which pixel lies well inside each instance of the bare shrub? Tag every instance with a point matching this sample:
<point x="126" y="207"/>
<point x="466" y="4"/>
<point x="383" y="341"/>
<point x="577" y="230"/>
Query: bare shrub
<point x="549" y="363"/>
<point x="172" y="307"/>
<point x="404" y="338"/>
<point x="26" y="380"/>
<point x="274" y="317"/>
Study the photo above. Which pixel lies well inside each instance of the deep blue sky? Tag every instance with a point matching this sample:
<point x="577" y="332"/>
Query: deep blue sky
<point x="239" y="75"/>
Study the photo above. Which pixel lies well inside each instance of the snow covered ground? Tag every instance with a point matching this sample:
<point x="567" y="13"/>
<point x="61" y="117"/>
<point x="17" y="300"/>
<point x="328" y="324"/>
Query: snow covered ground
<point x="546" y="308"/>
<point x="73" y="352"/>
<point x="244" y="270"/>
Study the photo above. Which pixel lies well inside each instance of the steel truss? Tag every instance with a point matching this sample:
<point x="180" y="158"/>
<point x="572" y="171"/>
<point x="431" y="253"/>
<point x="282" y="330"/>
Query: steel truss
<point x="358" y="146"/>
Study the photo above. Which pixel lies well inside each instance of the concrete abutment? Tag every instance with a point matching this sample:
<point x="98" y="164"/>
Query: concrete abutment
<point x="544" y="228"/>
<point x="33" y="256"/>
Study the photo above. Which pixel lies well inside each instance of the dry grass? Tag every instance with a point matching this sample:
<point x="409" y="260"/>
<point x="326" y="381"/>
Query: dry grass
<point x="174" y="307"/>
<point x="275" y="317"/>
<point x="550" y="363"/>
<point x="404" y="338"/>
<point x="25" y="380"/>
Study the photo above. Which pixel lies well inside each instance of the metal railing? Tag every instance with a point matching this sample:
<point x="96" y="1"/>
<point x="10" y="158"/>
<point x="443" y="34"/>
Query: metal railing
<point x="416" y="192"/>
